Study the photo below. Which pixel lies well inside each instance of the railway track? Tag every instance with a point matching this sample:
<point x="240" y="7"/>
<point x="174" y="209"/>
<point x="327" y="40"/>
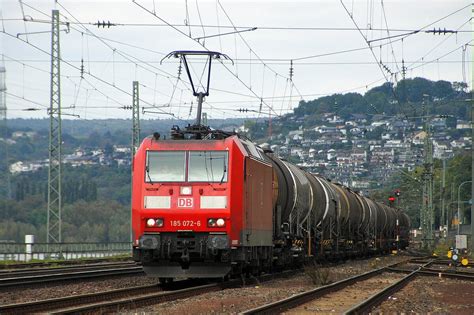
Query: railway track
<point x="9" y="273"/>
<point x="444" y="262"/>
<point x="134" y="297"/>
<point x="128" y="298"/>
<point x="345" y="296"/>
<point x="67" y="274"/>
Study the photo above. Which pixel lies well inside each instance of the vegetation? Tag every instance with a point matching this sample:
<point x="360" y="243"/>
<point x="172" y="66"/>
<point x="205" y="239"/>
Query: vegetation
<point x="458" y="170"/>
<point x="318" y="274"/>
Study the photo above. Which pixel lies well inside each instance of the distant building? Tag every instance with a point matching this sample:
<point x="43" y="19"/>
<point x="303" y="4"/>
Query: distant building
<point x="23" y="134"/>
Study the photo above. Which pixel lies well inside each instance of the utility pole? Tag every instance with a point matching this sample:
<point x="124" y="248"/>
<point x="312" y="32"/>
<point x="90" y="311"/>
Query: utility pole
<point x="54" y="172"/>
<point x="427" y="213"/>
<point x="3" y="126"/>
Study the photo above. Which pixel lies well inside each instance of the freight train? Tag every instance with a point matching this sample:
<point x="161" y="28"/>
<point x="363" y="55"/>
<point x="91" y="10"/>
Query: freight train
<point x="208" y="204"/>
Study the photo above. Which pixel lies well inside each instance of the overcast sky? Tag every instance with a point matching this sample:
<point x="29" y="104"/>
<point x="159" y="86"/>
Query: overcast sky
<point x="301" y="31"/>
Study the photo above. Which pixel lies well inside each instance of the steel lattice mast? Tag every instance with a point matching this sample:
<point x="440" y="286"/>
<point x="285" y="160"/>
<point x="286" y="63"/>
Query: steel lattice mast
<point x="54" y="172"/>
<point x="135" y="137"/>
<point x="427" y="211"/>
<point x="135" y="119"/>
<point x="3" y="127"/>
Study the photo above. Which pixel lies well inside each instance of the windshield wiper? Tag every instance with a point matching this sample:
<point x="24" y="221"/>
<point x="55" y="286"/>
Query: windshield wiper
<point x="223" y="173"/>
<point x="148" y="174"/>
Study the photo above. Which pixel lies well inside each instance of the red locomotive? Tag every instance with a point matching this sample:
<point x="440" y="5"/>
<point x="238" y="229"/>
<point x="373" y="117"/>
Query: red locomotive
<point x="209" y="204"/>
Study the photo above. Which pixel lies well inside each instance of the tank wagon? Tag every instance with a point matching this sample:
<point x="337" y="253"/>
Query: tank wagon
<point x="218" y="205"/>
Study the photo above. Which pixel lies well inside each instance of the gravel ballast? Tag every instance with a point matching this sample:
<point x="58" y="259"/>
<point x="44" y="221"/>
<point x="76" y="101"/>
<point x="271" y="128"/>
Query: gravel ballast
<point x="233" y="301"/>
<point x="17" y="295"/>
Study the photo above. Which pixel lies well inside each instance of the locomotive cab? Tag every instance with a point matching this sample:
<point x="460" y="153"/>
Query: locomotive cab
<point x="181" y="222"/>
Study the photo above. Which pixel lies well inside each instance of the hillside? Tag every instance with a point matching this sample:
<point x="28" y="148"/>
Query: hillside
<point x="406" y="99"/>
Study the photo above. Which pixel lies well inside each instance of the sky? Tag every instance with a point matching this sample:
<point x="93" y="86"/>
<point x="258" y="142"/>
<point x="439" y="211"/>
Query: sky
<point x="335" y="47"/>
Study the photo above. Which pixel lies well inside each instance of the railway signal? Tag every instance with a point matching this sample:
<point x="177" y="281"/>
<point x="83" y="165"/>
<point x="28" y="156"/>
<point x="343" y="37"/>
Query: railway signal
<point x="391" y="200"/>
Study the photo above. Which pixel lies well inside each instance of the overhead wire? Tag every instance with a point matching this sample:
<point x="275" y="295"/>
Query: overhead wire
<point x="247" y="44"/>
<point x="379" y="62"/>
<point x="113" y="49"/>
<point x="269" y="28"/>
<point x="253" y="63"/>
<point x="440" y="43"/>
<point x="88" y="73"/>
<point x="181" y="32"/>
<point x="388" y="33"/>
<point x="200" y="20"/>
<point x="424" y="62"/>
<point x="123" y="53"/>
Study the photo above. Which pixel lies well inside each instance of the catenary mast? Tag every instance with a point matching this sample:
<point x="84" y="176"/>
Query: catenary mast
<point x="54" y="172"/>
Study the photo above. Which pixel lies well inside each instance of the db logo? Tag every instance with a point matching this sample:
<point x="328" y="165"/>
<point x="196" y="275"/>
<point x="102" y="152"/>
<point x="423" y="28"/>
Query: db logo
<point x="185" y="202"/>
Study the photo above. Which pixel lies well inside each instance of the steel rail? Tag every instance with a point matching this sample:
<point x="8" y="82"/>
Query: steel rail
<point x="442" y="262"/>
<point x="124" y="298"/>
<point x="10" y="273"/>
<point x="440" y="273"/>
<point x="367" y="305"/>
<point x="142" y="300"/>
<point x="67" y="301"/>
<point x="305" y="297"/>
<point x="157" y="298"/>
<point x="68" y="276"/>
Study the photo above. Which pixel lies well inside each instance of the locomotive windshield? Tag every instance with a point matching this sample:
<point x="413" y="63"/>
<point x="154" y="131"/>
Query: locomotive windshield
<point x="202" y="166"/>
<point x="207" y="166"/>
<point x="166" y="166"/>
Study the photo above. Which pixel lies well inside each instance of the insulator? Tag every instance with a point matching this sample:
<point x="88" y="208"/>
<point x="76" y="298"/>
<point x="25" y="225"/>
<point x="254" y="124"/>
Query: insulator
<point x="291" y="69"/>
<point x="180" y="68"/>
<point x="82" y="68"/>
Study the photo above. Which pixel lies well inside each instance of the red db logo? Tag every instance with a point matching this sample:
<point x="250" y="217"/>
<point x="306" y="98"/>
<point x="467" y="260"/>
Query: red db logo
<point x="185" y="202"/>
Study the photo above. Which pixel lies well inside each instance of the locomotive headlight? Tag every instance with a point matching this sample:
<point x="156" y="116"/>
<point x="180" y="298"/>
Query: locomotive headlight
<point x="220" y="222"/>
<point x="159" y="222"/>
<point x="211" y="223"/>
<point x="185" y="190"/>
<point x="150" y="222"/>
